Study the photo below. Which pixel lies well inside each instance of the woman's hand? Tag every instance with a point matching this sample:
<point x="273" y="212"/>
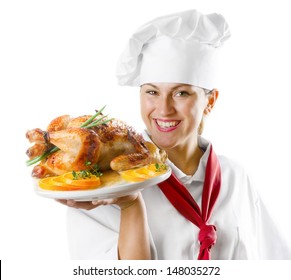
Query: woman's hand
<point x="122" y="202"/>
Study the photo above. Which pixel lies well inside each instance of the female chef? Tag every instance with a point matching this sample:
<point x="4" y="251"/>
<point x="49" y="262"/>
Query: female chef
<point x="207" y="208"/>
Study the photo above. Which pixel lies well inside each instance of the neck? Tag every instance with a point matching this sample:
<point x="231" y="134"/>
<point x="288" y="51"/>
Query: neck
<point x="186" y="158"/>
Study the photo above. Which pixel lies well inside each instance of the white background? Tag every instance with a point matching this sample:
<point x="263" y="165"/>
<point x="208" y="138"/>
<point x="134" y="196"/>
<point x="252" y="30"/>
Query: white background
<point x="59" y="57"/>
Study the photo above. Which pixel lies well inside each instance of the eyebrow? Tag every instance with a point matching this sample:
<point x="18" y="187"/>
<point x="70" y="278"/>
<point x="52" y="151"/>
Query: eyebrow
<point x="149" y="84"/>
<point x="173" y="88"/>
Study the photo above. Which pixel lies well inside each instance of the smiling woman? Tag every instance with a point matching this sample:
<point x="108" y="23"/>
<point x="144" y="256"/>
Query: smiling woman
<point x="208" y="201"/>
<point x="59" y="56"/>
<point x="173" y="113"/>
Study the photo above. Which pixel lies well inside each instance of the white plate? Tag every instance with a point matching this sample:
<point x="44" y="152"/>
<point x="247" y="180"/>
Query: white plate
<point x="118" y="189"/>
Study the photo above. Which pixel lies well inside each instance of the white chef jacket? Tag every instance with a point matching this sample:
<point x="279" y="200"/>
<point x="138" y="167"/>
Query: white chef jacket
<point x="245" y="229"/>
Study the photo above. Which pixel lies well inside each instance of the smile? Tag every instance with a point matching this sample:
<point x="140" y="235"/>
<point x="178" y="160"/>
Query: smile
<point x="167" y="125"/>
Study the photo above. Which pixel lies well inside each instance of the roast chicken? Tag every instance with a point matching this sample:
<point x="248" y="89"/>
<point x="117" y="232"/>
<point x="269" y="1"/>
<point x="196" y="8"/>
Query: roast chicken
<point x="113" y="145"/>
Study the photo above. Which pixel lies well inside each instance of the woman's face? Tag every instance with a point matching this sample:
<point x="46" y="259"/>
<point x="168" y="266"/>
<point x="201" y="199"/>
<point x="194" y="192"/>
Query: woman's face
<point x="172" y="113"/>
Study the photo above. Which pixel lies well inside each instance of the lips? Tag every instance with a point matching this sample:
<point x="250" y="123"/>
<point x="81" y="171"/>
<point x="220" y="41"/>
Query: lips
<point x="167" y="125"/>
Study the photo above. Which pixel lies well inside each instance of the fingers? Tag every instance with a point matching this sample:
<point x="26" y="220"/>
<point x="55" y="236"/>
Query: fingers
<point x="104" y="201"/>
<point x="86" y="205"/>
<point x="122" y="202"/>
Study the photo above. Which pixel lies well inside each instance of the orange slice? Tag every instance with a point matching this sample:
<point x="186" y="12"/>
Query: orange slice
<point x="65" y="183"/>
<point x="92" y="181"/>
<point x="147" y="171"/>
<point x="141" y="174"/>
<point x="53" y="184"/>
<point x="132" y="176"/>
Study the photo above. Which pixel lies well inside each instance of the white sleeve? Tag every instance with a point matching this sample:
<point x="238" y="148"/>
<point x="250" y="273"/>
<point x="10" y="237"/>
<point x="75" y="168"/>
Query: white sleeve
<point x="93" y="234"/>
<point x="272" y="243"/>
<point x="259" y="235"/>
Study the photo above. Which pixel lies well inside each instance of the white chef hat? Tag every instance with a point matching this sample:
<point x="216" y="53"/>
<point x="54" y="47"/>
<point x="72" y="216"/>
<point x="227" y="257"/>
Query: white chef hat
<point x="178" y="48"/>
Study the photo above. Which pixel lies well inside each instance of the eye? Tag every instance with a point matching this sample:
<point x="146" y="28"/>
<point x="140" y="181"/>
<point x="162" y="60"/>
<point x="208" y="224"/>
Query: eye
<point x="181" y="94"/>
<point x="151" y="92"/>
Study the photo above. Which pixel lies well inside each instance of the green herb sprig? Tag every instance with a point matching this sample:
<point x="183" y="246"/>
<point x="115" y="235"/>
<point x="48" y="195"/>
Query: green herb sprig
<point x="93" y="169"/>
<point x="160" y="167"/>
<point x="91" y="122"/>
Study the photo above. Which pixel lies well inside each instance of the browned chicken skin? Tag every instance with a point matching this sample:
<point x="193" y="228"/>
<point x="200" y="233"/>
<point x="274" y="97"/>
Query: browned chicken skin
<point x="113" y="145"/>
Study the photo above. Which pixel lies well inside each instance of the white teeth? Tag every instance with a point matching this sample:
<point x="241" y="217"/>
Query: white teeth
<point x="166" y="124"/>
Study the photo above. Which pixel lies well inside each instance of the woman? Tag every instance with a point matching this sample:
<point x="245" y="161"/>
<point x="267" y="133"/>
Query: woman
<point x="174" y="59"/>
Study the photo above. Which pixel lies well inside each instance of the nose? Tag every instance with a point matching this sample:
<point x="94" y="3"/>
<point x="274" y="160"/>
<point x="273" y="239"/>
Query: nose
<point x="165" y="106"/>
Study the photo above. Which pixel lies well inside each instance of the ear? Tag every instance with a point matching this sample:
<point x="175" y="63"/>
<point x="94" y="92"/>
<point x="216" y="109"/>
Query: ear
<point x="212" y="97"/>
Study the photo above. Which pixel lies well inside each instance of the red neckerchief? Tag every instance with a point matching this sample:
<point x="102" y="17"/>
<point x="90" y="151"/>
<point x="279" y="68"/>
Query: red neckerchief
<point x="182" y="200"/>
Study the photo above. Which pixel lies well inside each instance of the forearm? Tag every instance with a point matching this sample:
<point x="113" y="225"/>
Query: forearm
<point x="133" y="240"/>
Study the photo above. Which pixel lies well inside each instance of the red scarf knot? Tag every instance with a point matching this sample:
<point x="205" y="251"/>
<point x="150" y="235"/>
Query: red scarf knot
<point x="207" y="236"/>
<point x="183" y="201"/>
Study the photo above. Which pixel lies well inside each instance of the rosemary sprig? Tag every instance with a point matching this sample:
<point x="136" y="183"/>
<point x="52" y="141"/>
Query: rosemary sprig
<point x="93" y="117"/>
<point x="39" y="158"/>
<point x="91" y="122"/>
<point x="98" y="122"/>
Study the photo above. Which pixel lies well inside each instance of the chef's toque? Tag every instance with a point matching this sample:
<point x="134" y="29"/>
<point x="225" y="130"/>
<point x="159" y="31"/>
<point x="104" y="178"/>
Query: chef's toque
<point x="177" y="48"/>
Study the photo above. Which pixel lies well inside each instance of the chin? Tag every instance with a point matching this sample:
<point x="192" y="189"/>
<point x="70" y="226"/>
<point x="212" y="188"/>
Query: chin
<point x="165" y="144"/>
